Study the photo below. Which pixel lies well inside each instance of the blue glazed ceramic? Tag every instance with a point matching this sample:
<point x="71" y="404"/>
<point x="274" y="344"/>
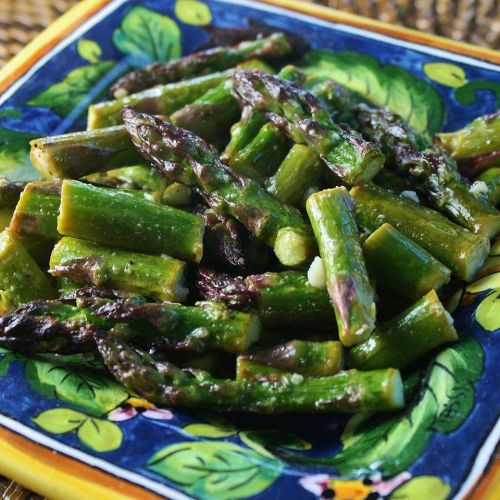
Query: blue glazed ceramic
<point x="437" y="448"/>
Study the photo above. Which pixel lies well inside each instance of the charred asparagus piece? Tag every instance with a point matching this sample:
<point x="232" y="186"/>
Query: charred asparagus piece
<point x="332" y="219"/>
<point x="492" y="180"/>
<point x="430" y="172"/>
<point x="476" y="147"/>
<point x="200" y="63"/>
<point x="165" y="384"/>
<point x="87" y="263"/>
<point x="34" y="220"/>
<point x="416" y="331"/>
<point x="400" y="266"/>
<point x="21" y="280"/>
<point x="458" y="249"/>
<point x="282" y="300"/>
<point x="318" y="359"/>
<point x="300" y="171"/>
<point x="118" y="218"/>
<point x="186" y="158"/>
<point x="305" y="121"/>
<point x="162" y="100"/>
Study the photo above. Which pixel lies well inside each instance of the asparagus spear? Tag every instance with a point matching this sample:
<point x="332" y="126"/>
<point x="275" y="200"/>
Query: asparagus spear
<point x="162" y="100"/>
<point x="282" y="300"/>
<point x="305" y="121"/>
<point x="84" y="262"/>
<point x="299" y="171"/>
<point x="201" y="63"/>
<point x="79" y="154"/>
<point x="476" y="147"/>
<point x="429" y="171"/>
<point x="140" y="177"/>
<point x="262" y="155"/>
<point x="391" y="181"/>
<point x="34" y="220"/>
<point x="400" y="266"/>
<point x="163" y="383"/>
<point x="298" y="356"/>
<point x="416" y="331"/>
<point x="458" y="249"/>
<point x="491" y="178"/>
<point x="186" y="158"/>
<point x="209" y="325"/>
<point x="333" y="223"/>
<point x="21" y="279"/>
<point x="117" y="218"/>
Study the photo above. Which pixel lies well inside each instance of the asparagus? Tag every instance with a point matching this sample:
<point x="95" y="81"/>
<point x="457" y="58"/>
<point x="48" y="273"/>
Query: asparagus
<point x="186" y="158"/>
<point x="164" y="384"/>
<point x="333" y="223"/>
<point x="201" y="63"/>
<point x="476" y="147"/>
<point x="262" y="155"/>
<point x="300" y="171"/>
<point x="211" y="115"/>
<point x="458" y="249"/>
<point x="162" y="100"/>
<point x="176" y="195"/>
<point x="430" y="172"/>
<point x="305" y="121"/>
<point x="391" y="181"/>
<point x="491" y="178"/>
<point x="79" y="154"/>
<point x="157" y="276"/>
<point x="416" y="331"/>
<point x="21" y="279"/>
<point x="140" y="177"/>
<point x="298" y="356"/>
<point x="117" y="218"/>
<point x="400" y="266"/>
<point x="206" y="326"/>
<point x="34" y="220"/>
<point x="282" y="300"/>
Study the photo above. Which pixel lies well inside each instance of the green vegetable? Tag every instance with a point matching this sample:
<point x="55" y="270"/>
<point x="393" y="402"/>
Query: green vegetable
<point x="307" y="358"/>
<point x="21" y="280"/>
<point x="416" y="331"/>
<point x="186" y="158"/>
<point x="118" y="218"/>
<point x="87" y="263"/>
<point x="333" y="223"/>
<point x="305" y="121"/>
<point x="458" y="249"/>
<point x="400" y="266"/>
<point x="492" y="180"/>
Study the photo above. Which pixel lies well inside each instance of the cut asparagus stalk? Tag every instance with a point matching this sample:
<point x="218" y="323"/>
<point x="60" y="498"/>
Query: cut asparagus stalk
<point x="400" y="266"/>
<point x="162" y="100"/>
<point x="21" y="280"/>
<point x="333" y="223"/>
<point x="186" y="158"/>
<point x="458" y="249"/>
<point x="317" y="359"/>
<point x="415" y="332"/>
<point x="121" y="219"/>
<point x="283" y="300"/>
<point x="140" y="177"/>
<point x="476" y="147"/>
<point x="430" y="172"/>
<point x="345" y="392"/>
<point x="262" y="155"/>
<point x="201" y="63"/>
<point x="87" y="263"/>
<point x="209" y="325"/>
<point x="299" y="171"/>
<point x="492" y="180"/>
<point x="305" y="121"/>
<point x="79" y="154"/>
<point x="34" y="220"/>
<point x="176" y="195"/>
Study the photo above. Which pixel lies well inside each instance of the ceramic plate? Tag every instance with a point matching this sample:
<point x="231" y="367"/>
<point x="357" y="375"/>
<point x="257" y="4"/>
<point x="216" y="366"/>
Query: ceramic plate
<point x="69" y="433"/>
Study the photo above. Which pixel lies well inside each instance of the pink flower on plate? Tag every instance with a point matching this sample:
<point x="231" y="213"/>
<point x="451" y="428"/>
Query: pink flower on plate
<point x="136" y="406"/>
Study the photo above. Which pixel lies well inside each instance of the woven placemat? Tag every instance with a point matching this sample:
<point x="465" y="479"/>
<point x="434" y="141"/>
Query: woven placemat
<point x="475" y="21"/>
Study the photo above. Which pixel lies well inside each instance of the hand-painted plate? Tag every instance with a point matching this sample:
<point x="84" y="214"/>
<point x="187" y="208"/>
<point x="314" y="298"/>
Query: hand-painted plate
<point x="67" y="433"/>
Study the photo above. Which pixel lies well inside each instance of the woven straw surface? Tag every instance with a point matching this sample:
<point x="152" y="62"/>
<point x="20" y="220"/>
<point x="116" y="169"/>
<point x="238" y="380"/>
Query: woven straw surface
<point x="475" y="21"/>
